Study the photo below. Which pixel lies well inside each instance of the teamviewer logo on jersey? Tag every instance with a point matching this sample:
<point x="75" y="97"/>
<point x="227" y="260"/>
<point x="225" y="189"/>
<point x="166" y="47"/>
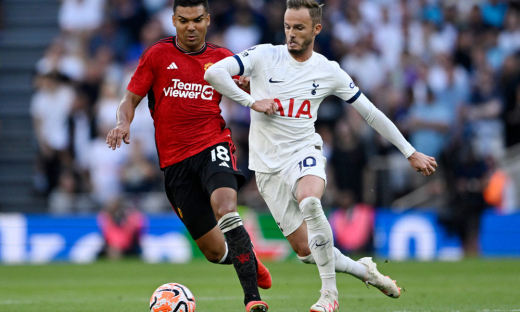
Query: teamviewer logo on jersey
<point x="207" y="93"/>
<point x="187" y="90"/>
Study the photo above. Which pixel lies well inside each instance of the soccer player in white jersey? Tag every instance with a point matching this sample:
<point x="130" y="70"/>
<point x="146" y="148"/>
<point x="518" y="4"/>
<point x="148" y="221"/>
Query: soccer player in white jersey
<point x="285" y="151"/>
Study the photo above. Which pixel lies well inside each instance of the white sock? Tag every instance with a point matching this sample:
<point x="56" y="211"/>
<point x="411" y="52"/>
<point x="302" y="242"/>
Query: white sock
<point x="321" y="241"/>
<point x="343" y="264"/>
<point x="346" y="265"/>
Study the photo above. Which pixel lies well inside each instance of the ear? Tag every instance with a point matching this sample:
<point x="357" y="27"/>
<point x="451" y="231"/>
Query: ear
<point x="174" y="21"/>
<point x="317" y="29"/>
<point x="209" y="21"/>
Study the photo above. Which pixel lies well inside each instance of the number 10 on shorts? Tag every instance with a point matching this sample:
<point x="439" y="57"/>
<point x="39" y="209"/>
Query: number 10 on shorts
<point x="307" y="162"/>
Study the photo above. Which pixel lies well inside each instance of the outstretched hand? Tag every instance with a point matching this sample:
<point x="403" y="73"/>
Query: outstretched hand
<point x="243" y="83"/>
<point x="120" y="133"/>
<point x="423" y="163"/>
<point x="266" y="106"/>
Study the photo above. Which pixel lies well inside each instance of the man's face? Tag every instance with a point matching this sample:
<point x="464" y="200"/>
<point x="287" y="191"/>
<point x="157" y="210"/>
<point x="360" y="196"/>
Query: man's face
<point x="192" y="24"/>
<point x="299" y="30"/>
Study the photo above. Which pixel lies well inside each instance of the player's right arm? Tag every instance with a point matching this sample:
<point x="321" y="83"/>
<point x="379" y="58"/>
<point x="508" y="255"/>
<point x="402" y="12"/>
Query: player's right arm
<point x="220" y="76"/>
<point x="125" y="114"/>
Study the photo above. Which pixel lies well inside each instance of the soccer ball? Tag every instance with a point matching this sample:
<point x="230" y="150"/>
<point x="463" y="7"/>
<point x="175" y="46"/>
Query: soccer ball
<point x="172" y="297"/>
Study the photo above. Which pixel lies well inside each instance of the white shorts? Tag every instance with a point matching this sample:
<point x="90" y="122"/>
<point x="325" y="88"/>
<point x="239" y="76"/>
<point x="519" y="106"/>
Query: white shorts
<point x="279" y="189"/>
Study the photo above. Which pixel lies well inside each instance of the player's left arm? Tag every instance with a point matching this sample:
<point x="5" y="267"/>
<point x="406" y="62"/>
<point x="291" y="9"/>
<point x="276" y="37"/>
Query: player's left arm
<point x="346" y="90"/>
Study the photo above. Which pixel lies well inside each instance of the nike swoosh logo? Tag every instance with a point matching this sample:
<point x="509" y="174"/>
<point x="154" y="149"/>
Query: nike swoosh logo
<point x="271" y="81"/>
<point x="322" y="244"/>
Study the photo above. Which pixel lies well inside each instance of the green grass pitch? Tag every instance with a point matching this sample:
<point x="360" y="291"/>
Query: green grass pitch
<point x="469" y="285"/>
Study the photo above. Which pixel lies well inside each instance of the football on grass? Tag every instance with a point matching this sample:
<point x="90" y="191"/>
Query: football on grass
<point x="172" y="297"/>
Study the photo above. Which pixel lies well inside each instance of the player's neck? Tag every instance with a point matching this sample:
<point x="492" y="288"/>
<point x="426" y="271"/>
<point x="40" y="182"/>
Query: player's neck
<point x="189" y="49"/>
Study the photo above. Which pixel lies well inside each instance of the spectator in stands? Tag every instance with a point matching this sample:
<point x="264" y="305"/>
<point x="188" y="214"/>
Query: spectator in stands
<point x="67" y="198"/>
<point x="104" y="166"/>
<point x="130" y="15"/>
<point x="389" y="40"/>
<point x="58" y="59"/>
<point x="352" y="224"/>
<point x="110" y="35"/>
<point x="463" y="49"/>
<point x="243" y="34"/>
<point x="494" y="54"/>
<point x="349" y="27"/>
<point x="465" y="174"/>
<point x="428" y="124"/>
<point x="274" y="33"/>
<point x="365" y="65"/>
<point x="138" y="174"/>
<point x="510" y="89"/>
<point x="500" y="191"/>
<point x="81" y="130"/>
<point x="482" y="116"/>
<point x="475" y="22"/>
<point x="121" y="227"/>
<point x="164" y="16"/>
<point x="493" y="12"/>
<point x="348" y="160"/>
<point x="80" y="17"/>
<point x="150" y="33"/>
<point x="509" y="38"/>
<point x="50" y="108"/>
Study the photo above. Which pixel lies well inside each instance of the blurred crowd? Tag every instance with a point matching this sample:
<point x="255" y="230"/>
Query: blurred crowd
<point x="446" y="72"/>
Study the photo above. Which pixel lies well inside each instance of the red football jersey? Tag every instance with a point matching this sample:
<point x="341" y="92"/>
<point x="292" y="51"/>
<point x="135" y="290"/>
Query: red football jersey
<point x="184" y="107"/>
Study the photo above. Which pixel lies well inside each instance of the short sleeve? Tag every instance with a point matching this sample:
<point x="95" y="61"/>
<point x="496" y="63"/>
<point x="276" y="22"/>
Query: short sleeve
<point x="250" y="60"/>
<point x="344" y="86"/>
<point x="142" y="78"/>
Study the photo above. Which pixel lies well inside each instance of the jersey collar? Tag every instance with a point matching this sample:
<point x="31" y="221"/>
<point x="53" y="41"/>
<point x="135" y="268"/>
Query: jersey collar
<point x="201" y="50"/>
<point x="294" y="62"/>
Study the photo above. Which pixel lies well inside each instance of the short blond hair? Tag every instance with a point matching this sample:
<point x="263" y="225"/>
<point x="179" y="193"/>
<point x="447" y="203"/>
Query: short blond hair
<point x="314" y="8"/>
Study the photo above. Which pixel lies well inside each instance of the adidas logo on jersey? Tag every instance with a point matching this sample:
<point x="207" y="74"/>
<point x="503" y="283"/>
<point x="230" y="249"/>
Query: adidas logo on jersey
<point x="223" y="164"/>
<point x="172" y="66"/>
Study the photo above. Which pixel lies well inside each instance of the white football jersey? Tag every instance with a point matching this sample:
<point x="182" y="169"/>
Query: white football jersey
<point x="298" y="88"/>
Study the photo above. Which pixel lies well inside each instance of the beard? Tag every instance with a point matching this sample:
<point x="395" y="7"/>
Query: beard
<point x="303" y="47"/>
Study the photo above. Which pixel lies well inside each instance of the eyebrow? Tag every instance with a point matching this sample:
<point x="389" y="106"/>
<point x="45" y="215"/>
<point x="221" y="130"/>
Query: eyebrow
<point x="297" y="25"/>
<point x="202" y="15"/>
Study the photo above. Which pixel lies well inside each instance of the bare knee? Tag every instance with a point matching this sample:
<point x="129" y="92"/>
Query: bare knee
<point x="223" y="201"/>
<point x="299" y="241"/>
<point x="224" y="208"/>
<point x="301" y="248"/>
<point x="212" y="245"/>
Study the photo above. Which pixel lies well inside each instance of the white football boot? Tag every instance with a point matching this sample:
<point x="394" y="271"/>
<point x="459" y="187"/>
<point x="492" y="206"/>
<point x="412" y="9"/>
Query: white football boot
<point x="384" y="283"/>
<point x="328" y="302"/>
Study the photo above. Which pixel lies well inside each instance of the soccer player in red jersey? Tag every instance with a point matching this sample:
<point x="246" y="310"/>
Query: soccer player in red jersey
<point x="194" y="146"/>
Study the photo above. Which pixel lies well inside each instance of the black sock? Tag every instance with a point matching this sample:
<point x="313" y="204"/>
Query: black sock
<point x="240" y="252"/>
